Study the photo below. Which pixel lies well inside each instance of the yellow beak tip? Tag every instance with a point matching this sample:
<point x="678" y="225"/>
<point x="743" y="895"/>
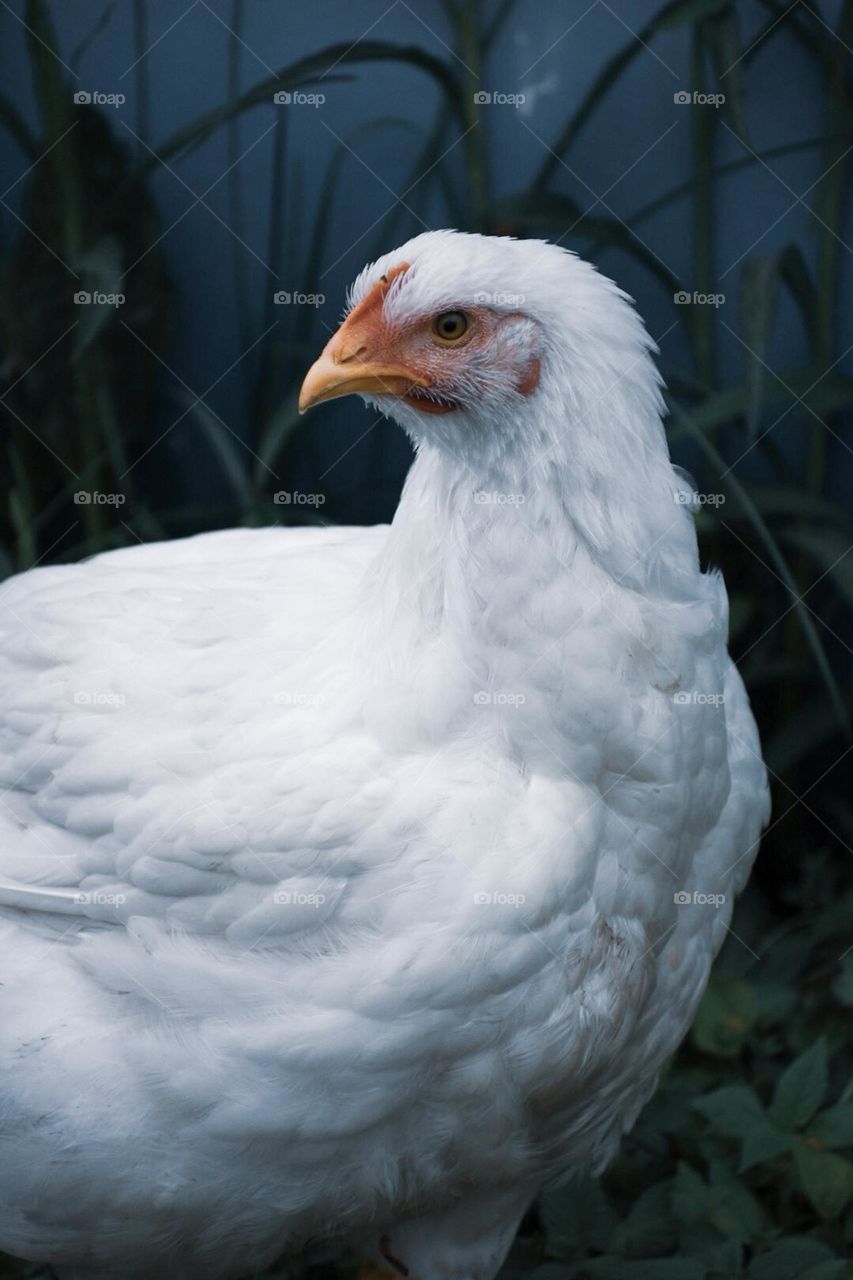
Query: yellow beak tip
<point x="326" y="380"/>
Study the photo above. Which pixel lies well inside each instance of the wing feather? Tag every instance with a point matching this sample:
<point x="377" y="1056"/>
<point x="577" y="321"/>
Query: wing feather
<point x="163" y="733"/>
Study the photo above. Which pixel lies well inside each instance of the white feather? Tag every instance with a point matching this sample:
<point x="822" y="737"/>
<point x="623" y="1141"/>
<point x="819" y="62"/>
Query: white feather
<point x="339" y="867"/>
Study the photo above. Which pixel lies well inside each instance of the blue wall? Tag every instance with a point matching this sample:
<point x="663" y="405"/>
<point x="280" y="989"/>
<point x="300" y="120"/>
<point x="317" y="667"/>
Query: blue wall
<point x="636" y="146"/>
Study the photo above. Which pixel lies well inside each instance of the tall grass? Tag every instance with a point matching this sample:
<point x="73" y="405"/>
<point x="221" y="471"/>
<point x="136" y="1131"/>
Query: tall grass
<point x="783" y="537"/>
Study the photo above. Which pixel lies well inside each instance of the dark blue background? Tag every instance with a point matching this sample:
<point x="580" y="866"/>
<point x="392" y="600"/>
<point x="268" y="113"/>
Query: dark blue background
<point x="636" y="146"/>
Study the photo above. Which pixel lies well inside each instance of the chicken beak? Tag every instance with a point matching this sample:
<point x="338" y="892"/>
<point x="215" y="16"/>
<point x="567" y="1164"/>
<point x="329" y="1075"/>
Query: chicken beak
<point x="355" y="359"/>
<point x="338" y="373"/>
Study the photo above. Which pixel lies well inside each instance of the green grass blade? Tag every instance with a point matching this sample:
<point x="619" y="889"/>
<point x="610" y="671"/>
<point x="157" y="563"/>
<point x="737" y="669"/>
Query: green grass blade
<point x="822" y="395"/>
<point x="672" y="14"/>
<point x="15" y="124"/>
<point x="831" y="550"/>
<point x="92" y="34"/>
<point x="277" y="431"/>
<point x="759" y="294"/>
<point x="778" y="562"/>
<point x="722" y="37"/>
<point x="558" y="214"/>
<point x="307" y="71"/>
<point x="225" y="449"/>
<point x="234" y="188"/>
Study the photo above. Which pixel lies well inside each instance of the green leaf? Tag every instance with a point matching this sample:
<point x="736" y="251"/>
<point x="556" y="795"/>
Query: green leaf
<point x="775" y="1001"/>
<point x="789" y="1259"/>
<point x="647" y="1231"/>
<point x="576" y="1216"/>
<point x="842" y="987"/>
<point x="690" y="1196"/>
<point x="834" y="1127"/>
<point x="724" y="1259"/>
<point x="552" y="1271"/>
<point x="763" y="1143"/>
<point x="830" y="1270"/>
<point x="826" y="1179"/>
<point x="725" y="1016"/>
<point x="734" y="1210"/>
<point x="611" y="1268"/>
<point x="732" y="1110"/>
<point x="801" y="1088"/>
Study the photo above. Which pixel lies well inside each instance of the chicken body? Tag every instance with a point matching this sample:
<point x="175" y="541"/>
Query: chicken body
<point x="356" y="882"/>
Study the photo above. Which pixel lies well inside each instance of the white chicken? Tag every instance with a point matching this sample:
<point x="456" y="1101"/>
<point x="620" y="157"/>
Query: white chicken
<point x="355" y="882"/>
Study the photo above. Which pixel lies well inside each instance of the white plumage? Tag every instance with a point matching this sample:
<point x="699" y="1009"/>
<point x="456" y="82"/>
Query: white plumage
<point x="339" y="868"/>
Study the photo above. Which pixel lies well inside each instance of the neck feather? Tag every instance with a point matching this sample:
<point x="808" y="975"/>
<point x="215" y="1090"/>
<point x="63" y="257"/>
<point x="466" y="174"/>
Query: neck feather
<point x="592" y="492"/>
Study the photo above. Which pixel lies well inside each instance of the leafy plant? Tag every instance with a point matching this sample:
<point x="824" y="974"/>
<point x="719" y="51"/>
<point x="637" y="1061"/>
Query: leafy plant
<point x="70" y="420"/>
<point x="742" y="1164"/>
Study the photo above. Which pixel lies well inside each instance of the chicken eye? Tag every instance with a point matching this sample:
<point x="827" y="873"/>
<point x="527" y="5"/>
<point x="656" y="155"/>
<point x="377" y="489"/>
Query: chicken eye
<point x="450" y="326"/>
